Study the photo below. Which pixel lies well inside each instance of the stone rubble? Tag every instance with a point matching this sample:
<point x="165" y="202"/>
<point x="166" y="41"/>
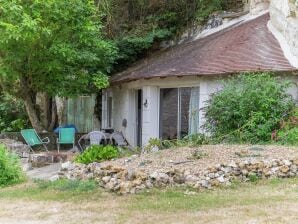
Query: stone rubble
<point x="124" y="181"/>
<point x="19" y="148"/>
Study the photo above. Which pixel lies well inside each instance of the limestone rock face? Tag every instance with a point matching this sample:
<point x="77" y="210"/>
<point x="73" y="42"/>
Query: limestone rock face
<point x="257" y="6"/>
<point x="284" y="18"/>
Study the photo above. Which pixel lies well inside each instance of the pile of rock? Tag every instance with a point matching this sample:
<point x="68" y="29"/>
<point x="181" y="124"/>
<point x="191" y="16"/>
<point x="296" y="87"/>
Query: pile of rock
<point x="123" y="181"/>
<point x="17" y="147"/>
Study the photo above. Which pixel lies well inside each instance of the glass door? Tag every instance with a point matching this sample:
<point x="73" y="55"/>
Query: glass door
<point x="179" y="111"/>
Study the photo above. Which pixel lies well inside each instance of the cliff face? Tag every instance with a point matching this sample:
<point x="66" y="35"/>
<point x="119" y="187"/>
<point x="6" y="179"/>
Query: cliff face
<point x="256" y="6"/>
<point x="284" y="18"/>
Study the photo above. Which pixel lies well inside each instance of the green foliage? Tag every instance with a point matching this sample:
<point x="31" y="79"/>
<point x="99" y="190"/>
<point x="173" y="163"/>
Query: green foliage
<point x="193" y="140"/>
<point x="67" y="185"/>
<point x="253" y="177"/>
<point x="289" y="137"/>
<point x="154" y="144"/>
<point x="289" y="131"/>
<point x="132" y="47"/>
<point x="138" y="27"/>
<point x="53" y="46"/>
<point x="198" y="154"/>
<point x="97" y="153"/>
<point x="12" y="114"/>
<point x="248" y="108"/>
<point x="10" y="169"/>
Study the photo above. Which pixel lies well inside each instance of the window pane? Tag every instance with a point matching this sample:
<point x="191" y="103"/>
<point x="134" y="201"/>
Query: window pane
<point x="194" y="109"/>
<point x="168" y="113"/>
<point x="184" y="111"/>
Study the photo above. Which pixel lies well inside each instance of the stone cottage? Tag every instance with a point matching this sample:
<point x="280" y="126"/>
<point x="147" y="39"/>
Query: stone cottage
<point x="161" y="96"/>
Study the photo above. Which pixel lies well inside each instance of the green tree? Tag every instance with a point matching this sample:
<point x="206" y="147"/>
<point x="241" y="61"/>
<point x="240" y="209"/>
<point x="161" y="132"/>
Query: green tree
<point x="138" y="27"/>
<point x="248" y="108"/>
<point x="50" y="48"/>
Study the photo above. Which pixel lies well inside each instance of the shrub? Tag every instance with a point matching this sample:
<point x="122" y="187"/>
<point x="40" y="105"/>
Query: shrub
<point x="10" y="169"/>
<point x="97" y="153"/>
<point x="253" y="177"/>
<point x="289" y="137"/>
<point x="248" y="108"/>
<point x="289" y="130"/>
<point x="193" y="140"/>
<point x="12" y="114"/>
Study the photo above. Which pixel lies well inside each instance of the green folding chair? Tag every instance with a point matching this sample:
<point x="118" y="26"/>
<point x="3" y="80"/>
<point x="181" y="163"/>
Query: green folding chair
<point x="32" y="139"/>
<point x="66" y="136"/>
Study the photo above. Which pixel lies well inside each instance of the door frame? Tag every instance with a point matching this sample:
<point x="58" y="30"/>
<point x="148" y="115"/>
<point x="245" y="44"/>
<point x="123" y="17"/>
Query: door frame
<point x="139" y="116"/>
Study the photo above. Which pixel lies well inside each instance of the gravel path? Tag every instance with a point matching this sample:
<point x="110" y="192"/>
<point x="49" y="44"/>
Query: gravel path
<point x="210" y="155"/>
<point x="44" y="173"/>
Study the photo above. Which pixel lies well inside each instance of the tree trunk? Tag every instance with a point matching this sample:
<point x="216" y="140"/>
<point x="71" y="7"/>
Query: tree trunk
<point x="31" y="111"/>
<point x="28" y="96"/>
<point x="60" y="105"/>
<point x="54" y="115"/>
<point x="43" y="105"/>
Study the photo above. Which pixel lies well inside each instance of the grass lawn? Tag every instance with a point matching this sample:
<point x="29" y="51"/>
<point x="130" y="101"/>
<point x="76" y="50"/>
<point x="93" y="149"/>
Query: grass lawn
<point x="272" y="201"/>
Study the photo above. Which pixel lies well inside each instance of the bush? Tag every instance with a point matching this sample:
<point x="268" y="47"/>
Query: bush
<point x="289" y="137"/>
<point x="97" y="153"/>
<point x="13" y="116"/>
<point x="10" y="169"/>
<point x="289" y="130"/>
<point x="248" y="108"/>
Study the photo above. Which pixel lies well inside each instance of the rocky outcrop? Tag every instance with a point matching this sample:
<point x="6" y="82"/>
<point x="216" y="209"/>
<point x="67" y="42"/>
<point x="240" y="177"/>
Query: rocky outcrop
<point x="124" y="181"/>
<point x="19" y="148"/>
<point x="284" y="18"/>
<point x="257" y="6"/>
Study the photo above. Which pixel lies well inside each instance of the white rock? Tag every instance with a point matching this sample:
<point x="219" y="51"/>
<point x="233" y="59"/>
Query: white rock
<point x="163" y="177"/>
<point x="54" y="178"/>
<point x="221" y="179"/>
<point x="274" y="169"/>
<point x="27" y="167"/>
<point x="232" y="164"/>
<point x="204" y="183"/>
<point x="67" y="166"/>
<point x="106" y="179"/>
<point x="287" y="162"/>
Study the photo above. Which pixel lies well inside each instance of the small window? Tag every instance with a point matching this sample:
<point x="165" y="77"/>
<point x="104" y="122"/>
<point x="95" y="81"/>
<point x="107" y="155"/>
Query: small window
<point x="110" y="109"/>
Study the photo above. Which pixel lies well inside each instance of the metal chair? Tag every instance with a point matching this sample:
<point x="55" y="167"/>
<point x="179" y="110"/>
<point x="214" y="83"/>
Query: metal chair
<point x="32" y="139"/>
<point x="66" y="136"/>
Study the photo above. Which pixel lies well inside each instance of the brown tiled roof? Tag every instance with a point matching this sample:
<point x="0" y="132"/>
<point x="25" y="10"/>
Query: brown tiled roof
<point x="249" y="46"/>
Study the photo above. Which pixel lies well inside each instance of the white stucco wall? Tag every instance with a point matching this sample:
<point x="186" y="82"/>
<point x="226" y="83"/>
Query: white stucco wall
<point x="293" y="90"/>
<point x="257" y="6"/>
<point x="150" y="124"/>
<point x="123" y="107"/>
<point x="124" y="102"/>
<point x="208" y="86"/>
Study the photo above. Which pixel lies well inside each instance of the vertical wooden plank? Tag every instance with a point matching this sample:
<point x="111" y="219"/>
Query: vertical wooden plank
<point x="70" y="111"/>
<point x="80" y="112"/>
